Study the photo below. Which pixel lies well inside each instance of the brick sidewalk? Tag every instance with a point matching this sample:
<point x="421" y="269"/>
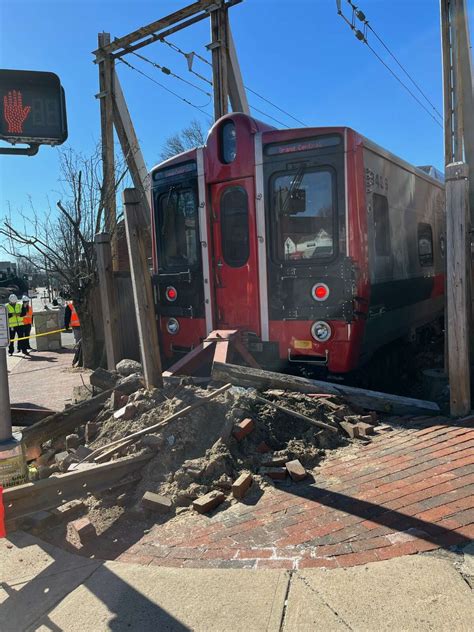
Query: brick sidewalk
<point x="409" y="491"/>
<point x="44" y="380"/>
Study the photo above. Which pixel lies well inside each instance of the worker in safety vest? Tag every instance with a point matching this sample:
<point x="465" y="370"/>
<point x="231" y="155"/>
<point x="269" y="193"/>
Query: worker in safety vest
<point x="27" y="313"/>
<point x="72" y="319"/>
<point x="15" y="323"/>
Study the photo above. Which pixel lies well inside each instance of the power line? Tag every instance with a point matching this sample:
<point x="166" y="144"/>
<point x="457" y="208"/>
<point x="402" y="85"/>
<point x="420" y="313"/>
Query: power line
<point x="268" y="116"/>
<point x="197" y="107"/>
<point x="189" y="58"/>
<point x="170" y="73"/>
<point x="362" y="37"/>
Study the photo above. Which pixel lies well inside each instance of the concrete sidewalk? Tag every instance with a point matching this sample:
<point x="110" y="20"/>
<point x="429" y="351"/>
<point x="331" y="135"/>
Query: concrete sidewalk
<point x="45" y="588"/>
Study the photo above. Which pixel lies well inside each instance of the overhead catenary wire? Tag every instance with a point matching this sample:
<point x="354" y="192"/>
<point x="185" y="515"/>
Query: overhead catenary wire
<point x="362" y="37"/>
<point x="170" y="73"/>
<point x="175" y="94"/>
<point x="189" y="56"/>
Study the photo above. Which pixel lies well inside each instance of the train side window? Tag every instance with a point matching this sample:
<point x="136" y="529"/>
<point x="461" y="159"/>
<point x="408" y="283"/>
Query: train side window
<point x="425" y="244"/>
<point x="382" y="225"/>
<point x="235" y="226"/>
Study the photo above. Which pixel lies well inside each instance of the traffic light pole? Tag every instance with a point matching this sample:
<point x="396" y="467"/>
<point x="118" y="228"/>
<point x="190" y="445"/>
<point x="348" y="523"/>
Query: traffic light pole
<point x="5" y="412"/>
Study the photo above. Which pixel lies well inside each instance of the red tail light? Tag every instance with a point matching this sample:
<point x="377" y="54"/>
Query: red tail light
<point x="171" y="293"/>
<point x="320" y="292"/>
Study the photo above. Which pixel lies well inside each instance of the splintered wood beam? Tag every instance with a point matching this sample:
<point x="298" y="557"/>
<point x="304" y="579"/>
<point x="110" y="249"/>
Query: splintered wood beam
<point x="22" y="500"/>
<point x="371" y="400"/>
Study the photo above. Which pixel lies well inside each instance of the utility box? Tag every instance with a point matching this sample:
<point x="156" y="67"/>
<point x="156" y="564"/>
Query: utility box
<point x="45" y="321"/>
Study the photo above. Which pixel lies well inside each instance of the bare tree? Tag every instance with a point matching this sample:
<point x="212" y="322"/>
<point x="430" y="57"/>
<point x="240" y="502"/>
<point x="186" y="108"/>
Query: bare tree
<point x="60" y="240"/>
<point x="189" y="137"/>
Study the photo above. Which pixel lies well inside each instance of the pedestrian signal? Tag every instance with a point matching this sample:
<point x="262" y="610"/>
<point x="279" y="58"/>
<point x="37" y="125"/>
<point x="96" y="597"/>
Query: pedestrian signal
<point x="33" y="108"/>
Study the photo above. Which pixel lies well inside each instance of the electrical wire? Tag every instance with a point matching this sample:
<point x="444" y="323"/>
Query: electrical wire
<point x="362" y="37"/>
<point x="403" y="84"/>
<point x="192" y="54"/>
<point x="170" y="73"/>
<point x="197" y="107"/>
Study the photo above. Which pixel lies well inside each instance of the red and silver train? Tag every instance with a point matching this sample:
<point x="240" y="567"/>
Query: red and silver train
<point x="318" y="245"/>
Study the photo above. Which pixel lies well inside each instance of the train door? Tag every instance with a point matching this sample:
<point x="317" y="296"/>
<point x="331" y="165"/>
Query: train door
<point x="235" y="263"/>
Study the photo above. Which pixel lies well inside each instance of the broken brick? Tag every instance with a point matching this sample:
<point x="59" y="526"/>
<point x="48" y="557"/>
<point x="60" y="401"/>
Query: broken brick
<point x="119" y="400"/>
<point x="296" y="470"/>
<point x="275" y="473"/>
<point x="365" y="429"/>
<point x="64" y="460"/>
<point x="369" y="419"/>
<point x="263" y="447"/>
<point x="208" y="502"/>
<point x="81" y="452"/>
<point x="243" y="428"/>
<point x="275" y="460"/>
<point x="91" y="430"/>
<point x="40" y="520"/>
<point x="155" y="502"/>
<point x="83" y="529"/>
<point x="125" y="413"/>
<point x="350" y="429"/>
<point x="241" y="485"/>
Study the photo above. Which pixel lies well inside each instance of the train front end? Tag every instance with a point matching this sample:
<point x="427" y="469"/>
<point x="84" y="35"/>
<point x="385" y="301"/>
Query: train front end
<point x="260" y="231"/>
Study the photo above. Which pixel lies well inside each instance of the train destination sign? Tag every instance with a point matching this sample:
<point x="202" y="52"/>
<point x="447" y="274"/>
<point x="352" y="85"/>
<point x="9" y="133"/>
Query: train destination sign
<point x="33" y="107"/>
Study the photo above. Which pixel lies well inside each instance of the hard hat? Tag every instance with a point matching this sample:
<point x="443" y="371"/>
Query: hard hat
<point x="13" y="298"/>
<point x="25" y="299"/>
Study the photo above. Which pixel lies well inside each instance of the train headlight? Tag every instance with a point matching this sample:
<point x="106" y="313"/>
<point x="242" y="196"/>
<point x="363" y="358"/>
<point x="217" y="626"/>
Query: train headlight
<point x="172" y="326"/>
<point x="171" y="293"/>
<point x="320" y="291"/>
<point x="321" y="331"/>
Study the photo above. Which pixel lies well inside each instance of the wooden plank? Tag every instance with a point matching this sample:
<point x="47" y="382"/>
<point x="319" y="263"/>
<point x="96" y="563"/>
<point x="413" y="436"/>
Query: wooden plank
<point x="131" y="148"/>
<point x="64" y="422"/>
<point x="23" y="500"/>
<point x="153" y="27"/>
<point x="142" y="289"/>
<point x="372" y="400"/>
<point x="108" y="298"/>
<point x="293" y="413"/>
<point x="237" y="94"/>
<point x="458" y="286"/>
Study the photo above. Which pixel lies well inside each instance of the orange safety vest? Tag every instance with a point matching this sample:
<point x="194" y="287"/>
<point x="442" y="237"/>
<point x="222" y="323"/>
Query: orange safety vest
<point x="74" y="322"/>
<point x="28" y="318"/>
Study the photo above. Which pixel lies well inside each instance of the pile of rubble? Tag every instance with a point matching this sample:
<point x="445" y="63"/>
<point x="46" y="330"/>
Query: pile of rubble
<point x="204" y="446"/>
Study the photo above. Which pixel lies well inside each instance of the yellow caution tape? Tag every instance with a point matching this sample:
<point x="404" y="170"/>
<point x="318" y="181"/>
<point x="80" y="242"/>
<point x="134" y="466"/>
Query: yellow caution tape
<point x="48" y="333"/>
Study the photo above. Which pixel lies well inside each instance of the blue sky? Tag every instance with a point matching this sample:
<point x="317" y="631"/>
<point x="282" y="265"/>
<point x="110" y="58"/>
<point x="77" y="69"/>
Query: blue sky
<point x="297" y="53"/>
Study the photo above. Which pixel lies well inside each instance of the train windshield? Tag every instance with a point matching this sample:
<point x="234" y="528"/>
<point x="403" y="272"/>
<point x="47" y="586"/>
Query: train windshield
<point x="304" y="209"/>
<point x="178" y="228"/>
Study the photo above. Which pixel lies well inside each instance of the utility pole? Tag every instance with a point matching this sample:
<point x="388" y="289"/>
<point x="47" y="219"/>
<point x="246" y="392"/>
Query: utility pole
<point x="219" y="48"/>
<point x="459" y="159"/>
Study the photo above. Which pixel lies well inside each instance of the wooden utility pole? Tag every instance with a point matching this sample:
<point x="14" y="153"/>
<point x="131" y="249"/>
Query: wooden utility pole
<point x="106" y="73"/>
<point x="458" y="286"/>
<point x="108" y="299"/>
<point x="142" y="289"/>
<point x="219" y="48"/>
<point x="459" y="159"/>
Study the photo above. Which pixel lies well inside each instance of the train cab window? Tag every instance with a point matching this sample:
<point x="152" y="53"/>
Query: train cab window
<point x="178" y="228"/>
<point x="235" y="226"/>
<point x="304" y="210"/>
<point x="382" y="225"/>
<point x="425" y="244"/>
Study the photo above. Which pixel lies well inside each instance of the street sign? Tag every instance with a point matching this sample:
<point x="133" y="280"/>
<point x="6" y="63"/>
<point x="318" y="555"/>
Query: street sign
<point x="4" y="329"/>
<point x="33" y="107"/>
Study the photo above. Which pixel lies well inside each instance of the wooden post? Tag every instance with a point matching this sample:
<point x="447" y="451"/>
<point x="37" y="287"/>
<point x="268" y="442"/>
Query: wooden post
<point x="142" y="289"/>
<point x="131" y="147"/>
<point x="106" y="72"/>
<point x="237" y="94"/>
<point x="458" y="286"/>
<point x="108" y="299"/>
<point x="219" y="49"/>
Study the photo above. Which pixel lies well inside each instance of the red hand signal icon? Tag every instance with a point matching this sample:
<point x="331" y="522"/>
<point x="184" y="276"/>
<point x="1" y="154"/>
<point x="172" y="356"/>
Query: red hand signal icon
<point x="14" y="112"/>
